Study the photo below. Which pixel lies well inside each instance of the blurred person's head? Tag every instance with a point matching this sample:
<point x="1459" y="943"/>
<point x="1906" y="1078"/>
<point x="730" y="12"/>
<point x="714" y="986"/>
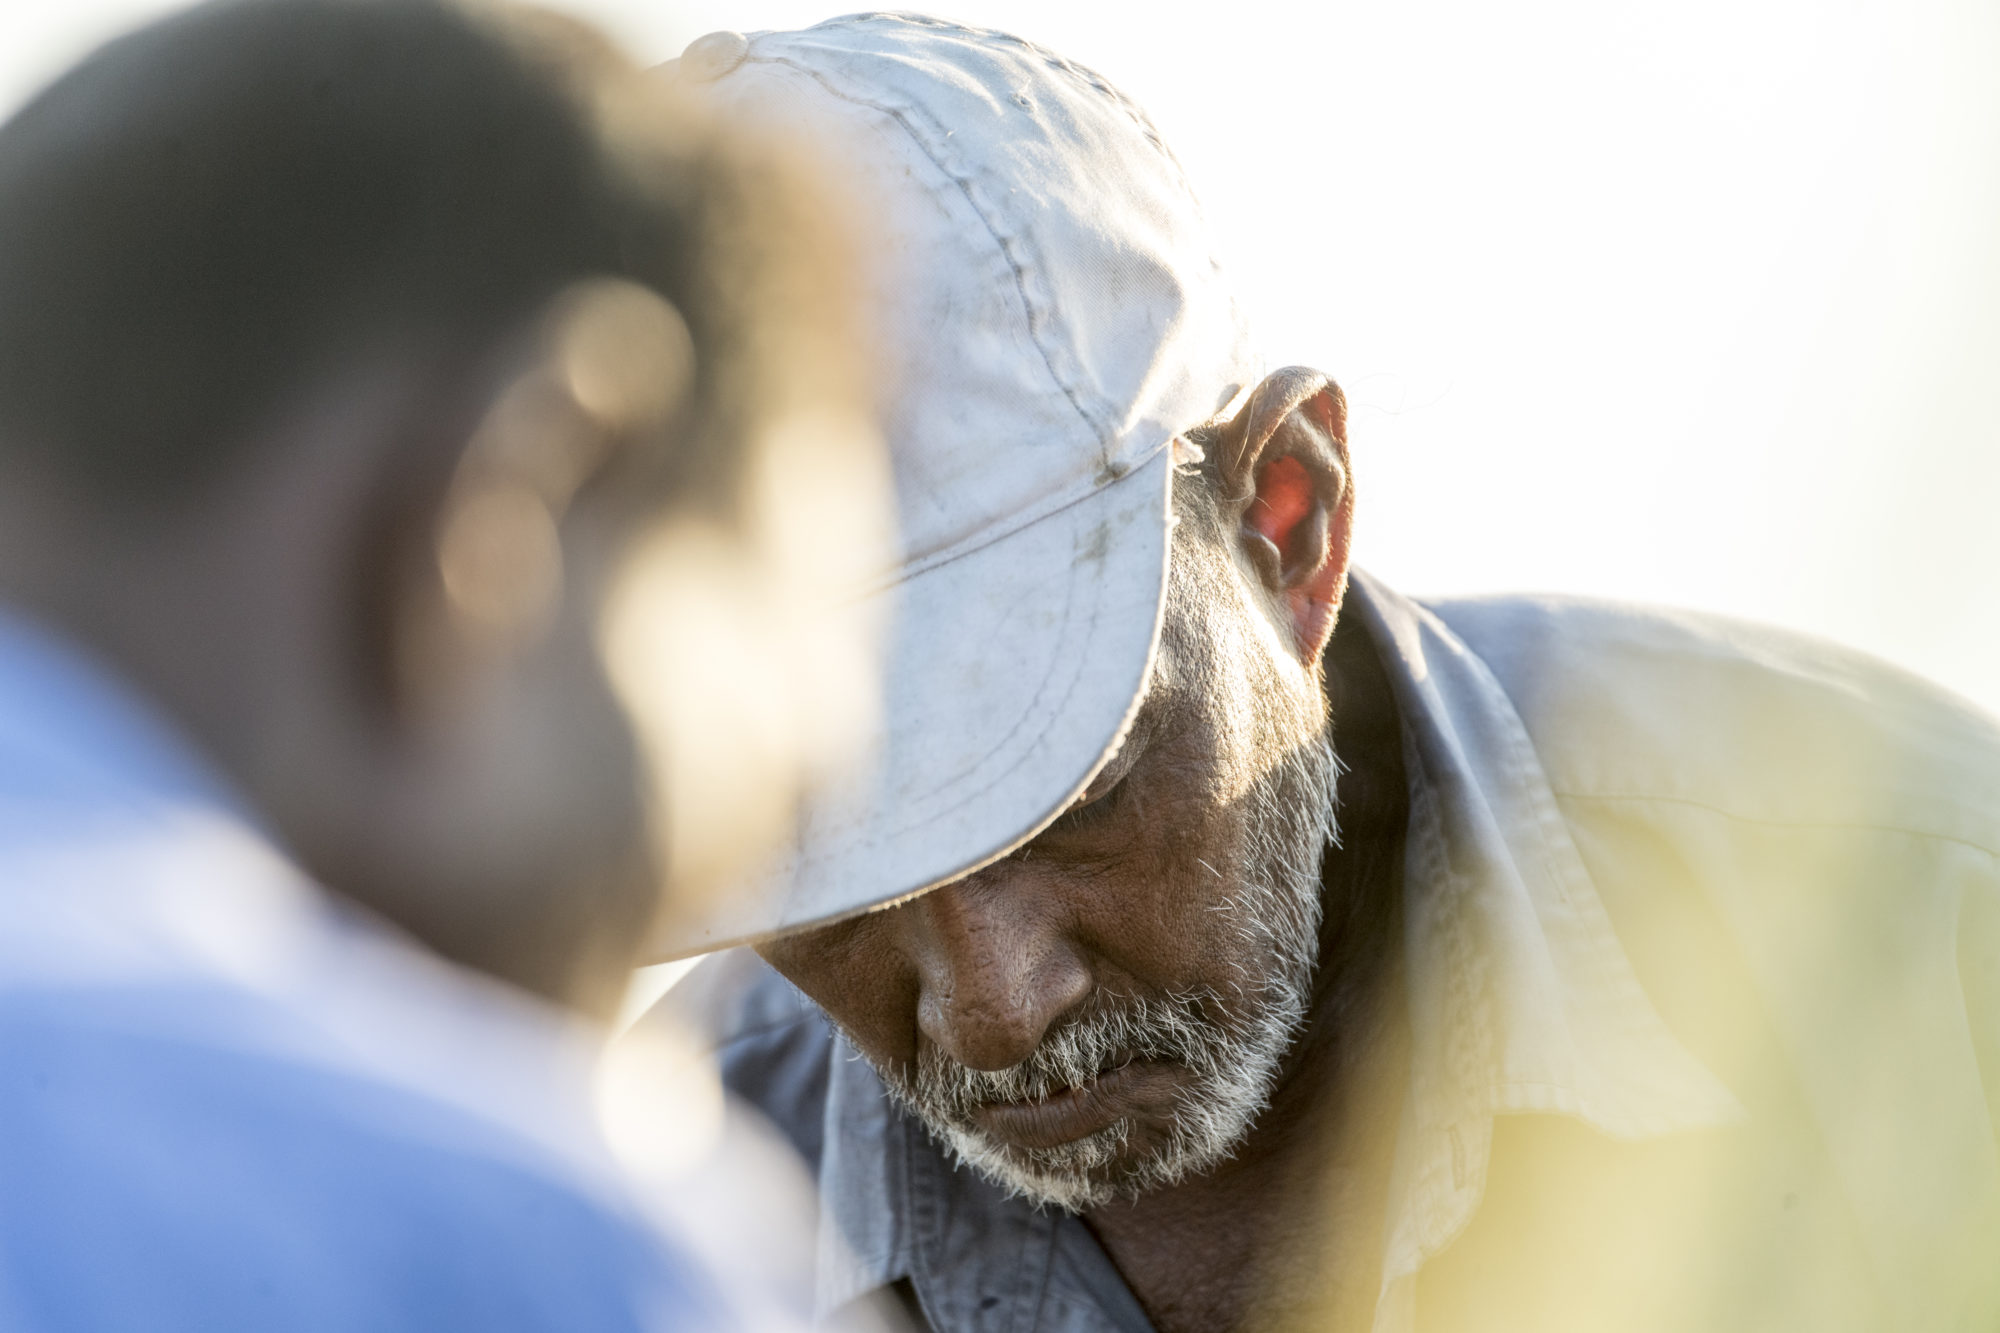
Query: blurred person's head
<point x="1109" y="775"/>
<point x="412" y="399"/>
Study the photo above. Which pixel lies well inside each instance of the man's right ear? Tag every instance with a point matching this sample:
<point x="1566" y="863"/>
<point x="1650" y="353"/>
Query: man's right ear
<point x="1283" y="467"/>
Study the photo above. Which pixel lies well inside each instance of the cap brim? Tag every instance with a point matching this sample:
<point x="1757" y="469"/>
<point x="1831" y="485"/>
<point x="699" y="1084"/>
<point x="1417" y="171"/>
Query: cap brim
<point x="1012" y="674"/>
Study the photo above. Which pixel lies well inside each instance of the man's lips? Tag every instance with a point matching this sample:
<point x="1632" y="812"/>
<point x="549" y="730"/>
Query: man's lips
<point x="1075" y="1113"/>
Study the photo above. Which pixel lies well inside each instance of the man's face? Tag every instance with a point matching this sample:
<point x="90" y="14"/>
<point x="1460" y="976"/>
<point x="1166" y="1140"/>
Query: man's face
<point x="1105" y="1010"/>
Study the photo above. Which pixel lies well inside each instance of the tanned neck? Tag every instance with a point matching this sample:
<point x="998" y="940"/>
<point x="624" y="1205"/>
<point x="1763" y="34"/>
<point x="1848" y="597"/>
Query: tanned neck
<point x="1287" y="1232"/>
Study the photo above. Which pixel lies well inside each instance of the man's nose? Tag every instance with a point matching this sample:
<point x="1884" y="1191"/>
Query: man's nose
<point x="996" y="972"/>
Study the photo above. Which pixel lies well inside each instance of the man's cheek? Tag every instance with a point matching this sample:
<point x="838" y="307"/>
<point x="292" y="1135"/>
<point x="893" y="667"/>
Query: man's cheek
<point x="837" y="970"/>
<point x="1191" y="914"/>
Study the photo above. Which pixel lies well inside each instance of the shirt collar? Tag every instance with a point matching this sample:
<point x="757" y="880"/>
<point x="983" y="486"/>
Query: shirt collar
<point x="1521" y="998"/>
<point x="864" y="1242"/>
<point x="894" y="1206"/>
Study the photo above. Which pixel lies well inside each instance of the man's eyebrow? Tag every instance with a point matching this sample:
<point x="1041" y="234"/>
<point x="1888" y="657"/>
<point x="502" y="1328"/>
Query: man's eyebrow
<point x="1093" y="799"/>
<point x="1124" y="757"/>
<point x="1085" y="810"/>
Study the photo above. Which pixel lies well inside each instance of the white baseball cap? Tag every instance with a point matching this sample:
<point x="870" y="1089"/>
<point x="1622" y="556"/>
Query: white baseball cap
<point x="1053" y="317"/>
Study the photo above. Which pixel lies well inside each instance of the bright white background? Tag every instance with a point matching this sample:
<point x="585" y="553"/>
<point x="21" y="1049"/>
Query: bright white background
<point x="1692" y="302"/>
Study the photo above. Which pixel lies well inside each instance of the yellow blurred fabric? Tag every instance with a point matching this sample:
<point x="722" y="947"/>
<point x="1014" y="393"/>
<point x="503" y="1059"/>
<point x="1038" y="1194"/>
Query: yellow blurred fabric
<point x="1704" y="980"/>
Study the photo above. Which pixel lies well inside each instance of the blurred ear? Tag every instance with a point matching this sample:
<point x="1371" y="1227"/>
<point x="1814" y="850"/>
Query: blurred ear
<point x="483" y="578"/>
<point x="472" y="567"/>
<point x="1284" y="472"/>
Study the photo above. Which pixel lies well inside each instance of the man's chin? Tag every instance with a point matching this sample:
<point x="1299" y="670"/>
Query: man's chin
<point x="1079" y="1175"/>
<point x="1121" y="1160"/>
<point x="1119" y="1126"/>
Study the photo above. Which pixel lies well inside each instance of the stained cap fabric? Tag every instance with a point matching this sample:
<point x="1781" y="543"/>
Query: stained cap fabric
<point x="1052" y="317"/>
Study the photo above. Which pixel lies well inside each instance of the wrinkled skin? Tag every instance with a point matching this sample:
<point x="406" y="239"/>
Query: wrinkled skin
<point x="1131" y="892"/>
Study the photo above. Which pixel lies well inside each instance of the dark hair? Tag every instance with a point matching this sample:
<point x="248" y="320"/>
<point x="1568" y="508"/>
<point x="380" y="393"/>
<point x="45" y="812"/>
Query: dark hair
<point x="205" y="212"/>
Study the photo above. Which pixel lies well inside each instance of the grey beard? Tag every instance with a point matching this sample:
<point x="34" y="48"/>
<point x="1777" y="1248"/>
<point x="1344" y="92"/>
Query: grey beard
<point x="1232" y="1044"/>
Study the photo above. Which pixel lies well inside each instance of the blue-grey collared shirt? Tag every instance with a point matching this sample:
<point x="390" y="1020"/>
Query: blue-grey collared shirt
<point x="1702" y="945"/>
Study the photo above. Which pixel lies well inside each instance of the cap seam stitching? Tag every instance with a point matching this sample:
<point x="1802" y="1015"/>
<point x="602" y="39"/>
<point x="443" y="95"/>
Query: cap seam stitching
<point x="1101" y="431"/>
<point x="1082" y="74"/>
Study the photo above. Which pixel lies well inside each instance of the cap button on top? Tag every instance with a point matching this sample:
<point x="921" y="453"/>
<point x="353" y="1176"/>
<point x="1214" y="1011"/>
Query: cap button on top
<point x="709" y="58"/>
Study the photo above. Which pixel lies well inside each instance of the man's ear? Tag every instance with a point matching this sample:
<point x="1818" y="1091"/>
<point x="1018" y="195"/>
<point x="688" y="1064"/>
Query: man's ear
<point x="1283" y="466"/>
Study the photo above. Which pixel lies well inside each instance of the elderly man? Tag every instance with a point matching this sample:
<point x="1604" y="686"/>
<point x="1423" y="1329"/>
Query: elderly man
<point x="380" y="384"/>
<point x="1227" y="940"/>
